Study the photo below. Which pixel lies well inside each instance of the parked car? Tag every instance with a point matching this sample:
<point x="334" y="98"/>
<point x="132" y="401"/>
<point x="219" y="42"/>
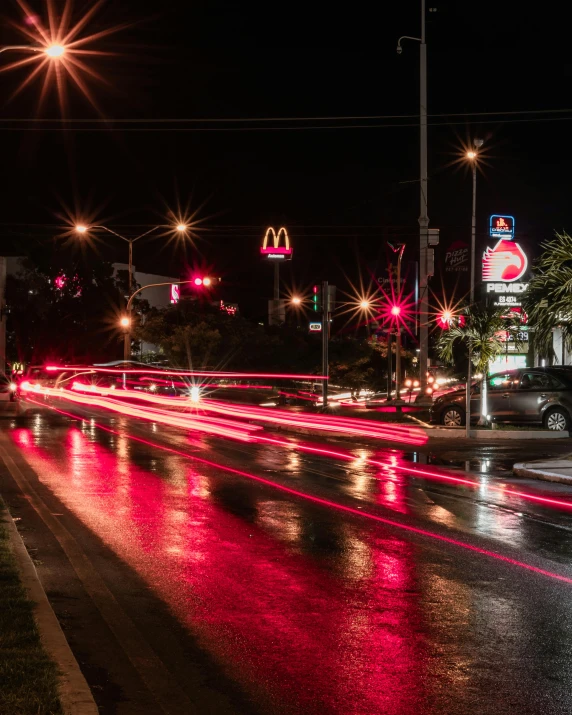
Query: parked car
<point x="539" y="395"/>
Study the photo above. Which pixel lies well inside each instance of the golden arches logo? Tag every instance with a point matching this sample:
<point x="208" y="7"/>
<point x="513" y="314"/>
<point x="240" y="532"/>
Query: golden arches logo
<point x="276" y="237"/>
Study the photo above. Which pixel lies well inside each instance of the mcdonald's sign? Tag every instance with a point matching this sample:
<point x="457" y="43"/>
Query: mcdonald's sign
<point x="276" y="252"/>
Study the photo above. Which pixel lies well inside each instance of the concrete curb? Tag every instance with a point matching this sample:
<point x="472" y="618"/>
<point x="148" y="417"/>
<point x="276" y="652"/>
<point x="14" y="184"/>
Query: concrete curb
<point x="524" y="469"/>
<point x="459" y="433"/>
<point x="75" y="696"/>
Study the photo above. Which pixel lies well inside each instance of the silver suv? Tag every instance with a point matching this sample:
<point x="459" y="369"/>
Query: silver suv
<point x="536" y="395"/>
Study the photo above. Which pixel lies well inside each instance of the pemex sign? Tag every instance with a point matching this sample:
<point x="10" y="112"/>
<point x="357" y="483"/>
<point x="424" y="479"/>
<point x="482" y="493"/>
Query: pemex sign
<point x="504" y="267"/>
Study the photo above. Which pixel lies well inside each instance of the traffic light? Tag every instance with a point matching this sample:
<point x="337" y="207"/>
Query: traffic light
<point x="317" y="299"/>
<point x="205" y="281"/>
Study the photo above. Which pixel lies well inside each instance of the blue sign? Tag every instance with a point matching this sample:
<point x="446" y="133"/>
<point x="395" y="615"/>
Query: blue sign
<point x="502" y="227"/>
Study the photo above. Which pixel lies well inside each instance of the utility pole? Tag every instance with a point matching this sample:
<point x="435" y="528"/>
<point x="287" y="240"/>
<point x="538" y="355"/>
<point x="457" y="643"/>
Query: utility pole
<point x="276" y="310"/>
<point x="398" y="329"/>
<point x="423" y="303"/>
<point x="473" y="156"/>
<point x="325" y="341"/>
<point x="129" y="328"/>
<point x="389" y="366"/>
<point x="2" y="315"/>
<point x="423" y="217"/>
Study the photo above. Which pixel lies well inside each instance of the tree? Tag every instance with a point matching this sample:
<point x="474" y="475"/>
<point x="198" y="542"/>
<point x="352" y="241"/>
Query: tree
<point x="62" y="308"/>
<point x="548" y="300"/>
<point x="356" y="365"/>
<point x="197" y="334"/>
<point x="485" y="330"/>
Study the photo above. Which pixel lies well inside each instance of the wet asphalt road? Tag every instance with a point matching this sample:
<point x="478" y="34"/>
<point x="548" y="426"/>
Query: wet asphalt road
<point x="245" y="598"/>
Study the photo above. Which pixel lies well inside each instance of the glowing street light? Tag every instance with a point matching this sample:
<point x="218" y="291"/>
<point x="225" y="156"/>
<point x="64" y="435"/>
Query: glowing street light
<point x="55" y="50"/>
<point x="296" y="300"/>
<point x="81" y="229"/>
<point x="125" y="322"/>
<point x="471" y="155"/>
<point x="181" y="227"/>
<point x="365" y="304"/>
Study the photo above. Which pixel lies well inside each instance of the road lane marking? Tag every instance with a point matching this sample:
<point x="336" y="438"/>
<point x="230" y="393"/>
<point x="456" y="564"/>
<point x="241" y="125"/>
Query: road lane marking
<point x="153" y="672"/>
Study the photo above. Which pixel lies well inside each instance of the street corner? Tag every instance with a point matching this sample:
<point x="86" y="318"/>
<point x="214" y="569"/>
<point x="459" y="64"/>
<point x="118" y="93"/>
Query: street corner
<point x="549" y="470"/>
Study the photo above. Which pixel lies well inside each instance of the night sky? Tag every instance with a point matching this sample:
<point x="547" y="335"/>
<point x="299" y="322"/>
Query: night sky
<point x="342" y="192"/>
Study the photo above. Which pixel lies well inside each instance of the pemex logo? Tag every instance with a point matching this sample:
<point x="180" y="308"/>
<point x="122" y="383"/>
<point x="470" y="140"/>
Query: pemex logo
<point x="505" y="262"/>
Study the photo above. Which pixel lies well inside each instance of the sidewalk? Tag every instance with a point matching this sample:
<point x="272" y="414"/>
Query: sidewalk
<point x="550" y="470"/>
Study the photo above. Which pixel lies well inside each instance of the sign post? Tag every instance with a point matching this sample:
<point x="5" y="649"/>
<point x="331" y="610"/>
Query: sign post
<point x="325" y="340"/>
<point x="276" y="254"/>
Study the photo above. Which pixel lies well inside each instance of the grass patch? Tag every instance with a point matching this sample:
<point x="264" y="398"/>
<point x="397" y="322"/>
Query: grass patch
<point x="28" y="678"/>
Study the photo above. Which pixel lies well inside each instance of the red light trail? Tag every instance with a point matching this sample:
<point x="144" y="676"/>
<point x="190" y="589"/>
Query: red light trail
<point x="332" y="505"/>
<point x="250" y="433"/>
<point x="328" y="423"/>
<point x="182" y="373"/>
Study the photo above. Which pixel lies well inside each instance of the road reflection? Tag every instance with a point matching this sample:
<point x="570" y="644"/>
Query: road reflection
<point x="311" y="611"/>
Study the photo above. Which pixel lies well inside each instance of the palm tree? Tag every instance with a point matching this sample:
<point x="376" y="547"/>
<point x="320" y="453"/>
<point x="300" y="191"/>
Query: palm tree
<point x="485" y="330"/>
<point x="548" y="300"/>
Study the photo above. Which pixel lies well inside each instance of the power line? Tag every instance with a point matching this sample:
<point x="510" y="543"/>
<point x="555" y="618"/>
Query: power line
<point x="270" y="129"/>
<point x="231" y="120"/>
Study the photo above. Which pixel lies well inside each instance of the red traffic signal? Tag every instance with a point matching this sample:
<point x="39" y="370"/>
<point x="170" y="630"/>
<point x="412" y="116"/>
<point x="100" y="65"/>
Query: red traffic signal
<point x="204" y="281"/>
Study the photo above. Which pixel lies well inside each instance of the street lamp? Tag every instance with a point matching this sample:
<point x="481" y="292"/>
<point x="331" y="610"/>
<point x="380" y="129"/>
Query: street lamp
<point x="472" y="155"/>
<point x="82" y="229"/>
<point x="125" y="322"/>
<point x="296" y="300"/>
<point x="53" y="52"/>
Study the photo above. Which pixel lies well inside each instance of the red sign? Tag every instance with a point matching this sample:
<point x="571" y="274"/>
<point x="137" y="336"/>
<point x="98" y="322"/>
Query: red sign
<point x="505" y="262"/>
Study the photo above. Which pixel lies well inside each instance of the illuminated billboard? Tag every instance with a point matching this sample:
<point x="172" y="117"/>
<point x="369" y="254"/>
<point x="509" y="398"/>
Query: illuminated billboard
<point x="504" y="262"/>
<point x="276" y="252"/>
<point x="502" y="227"/>
<point x="504" y="273"/>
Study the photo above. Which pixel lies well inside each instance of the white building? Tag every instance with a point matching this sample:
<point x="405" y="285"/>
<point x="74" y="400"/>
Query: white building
<point x="157" y="296"/>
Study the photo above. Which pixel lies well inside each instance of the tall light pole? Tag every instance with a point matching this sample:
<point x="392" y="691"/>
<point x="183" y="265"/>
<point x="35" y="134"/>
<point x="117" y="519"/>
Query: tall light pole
<point x="423" y="306"/>
<point x="473" y="157"/>
<point x="53" y="52"/>
<point x="81" y="229"/>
